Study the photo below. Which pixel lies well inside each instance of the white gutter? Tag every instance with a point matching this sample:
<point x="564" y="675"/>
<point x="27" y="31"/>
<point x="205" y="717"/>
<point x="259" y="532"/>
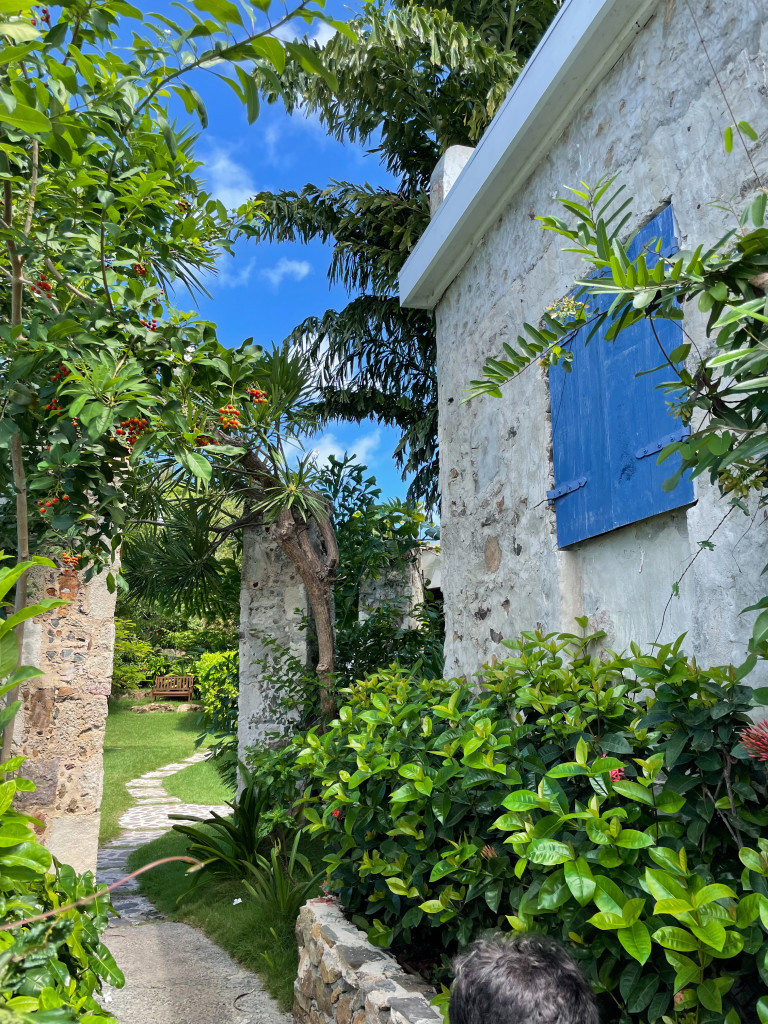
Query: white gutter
<point x="585" y="39"/>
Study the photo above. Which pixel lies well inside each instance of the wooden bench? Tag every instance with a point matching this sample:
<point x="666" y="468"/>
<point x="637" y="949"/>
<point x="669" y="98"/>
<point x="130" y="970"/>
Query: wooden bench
<point x="173" y="686"/>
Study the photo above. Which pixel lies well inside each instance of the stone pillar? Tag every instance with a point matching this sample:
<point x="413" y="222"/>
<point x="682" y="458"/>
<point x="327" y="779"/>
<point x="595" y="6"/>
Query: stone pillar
<point x="448" y="168"/>
<point x="403" y="587"/>
<point x="271" y="591"/>
<point x="60" y="725"/>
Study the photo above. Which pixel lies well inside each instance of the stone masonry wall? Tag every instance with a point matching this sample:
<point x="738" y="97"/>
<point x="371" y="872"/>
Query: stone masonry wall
<point x="344" y="979"/>
<point x="60" y="726"/>
<point x="270" y="592"/>
<point x="656" y="120"/>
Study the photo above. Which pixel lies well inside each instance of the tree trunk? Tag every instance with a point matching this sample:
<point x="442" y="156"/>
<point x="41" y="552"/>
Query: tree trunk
<point x="317" y="574"/>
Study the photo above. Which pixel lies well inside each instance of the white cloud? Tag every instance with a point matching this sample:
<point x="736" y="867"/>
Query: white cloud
<point x="228" y="180"/>
<point x="296" y="269"/>
<point x="233" y="272"/>
<point x="324" y="34"/>
<point x="362" y="447"/>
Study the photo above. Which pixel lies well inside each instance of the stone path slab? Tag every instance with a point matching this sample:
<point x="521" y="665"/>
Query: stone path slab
<point x="173" y="973"/>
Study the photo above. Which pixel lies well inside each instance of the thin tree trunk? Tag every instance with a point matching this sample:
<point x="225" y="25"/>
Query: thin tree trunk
<point x="17" y="457"/>
<point x="317" y="576"/>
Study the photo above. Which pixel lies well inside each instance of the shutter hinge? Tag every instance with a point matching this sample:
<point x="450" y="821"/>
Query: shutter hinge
<point x="656" y="446"/>
<point x="567" y="488"/>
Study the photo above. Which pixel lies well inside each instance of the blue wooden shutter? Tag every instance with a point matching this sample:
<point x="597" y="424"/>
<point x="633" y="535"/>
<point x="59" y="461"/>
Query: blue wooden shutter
<point x="608" y="423"/>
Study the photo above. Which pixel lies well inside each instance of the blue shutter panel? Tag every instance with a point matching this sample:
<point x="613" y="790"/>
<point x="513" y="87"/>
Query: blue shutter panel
<point x="608" y="423"/>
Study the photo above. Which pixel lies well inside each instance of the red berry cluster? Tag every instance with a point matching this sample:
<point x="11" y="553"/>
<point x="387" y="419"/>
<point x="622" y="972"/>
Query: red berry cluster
<point x="204" y="441"/>
<point x="257" y="396"/>
<point x="43" y="505"/>
<point x="183" y="205"/>
<point x="53" y="406"/>
<point x="70" y="560"/>
<point x="42" y="284"/>
<point x="132" y="429"/>
<point x="45" y="18"/>
<point x="230" y="417"/>
<point x="140" y="269"/>
<point x="151" y="325"/>
<point x="62" y="372"/>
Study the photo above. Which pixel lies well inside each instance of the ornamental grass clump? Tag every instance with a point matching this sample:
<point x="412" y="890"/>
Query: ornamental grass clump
<point x="607" y="801"/>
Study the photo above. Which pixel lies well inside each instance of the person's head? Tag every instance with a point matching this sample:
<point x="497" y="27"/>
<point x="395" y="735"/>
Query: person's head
<point x="524" y="979"/>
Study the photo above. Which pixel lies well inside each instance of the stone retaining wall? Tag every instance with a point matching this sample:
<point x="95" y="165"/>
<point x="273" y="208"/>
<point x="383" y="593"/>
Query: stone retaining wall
<point x="344" y="979"/>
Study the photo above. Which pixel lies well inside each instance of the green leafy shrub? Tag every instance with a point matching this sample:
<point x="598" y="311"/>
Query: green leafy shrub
<point x="218" y="686"/>
<point x="605" y="800"/>
<point x="57" y="964"/>
<point x="134" y="658"/>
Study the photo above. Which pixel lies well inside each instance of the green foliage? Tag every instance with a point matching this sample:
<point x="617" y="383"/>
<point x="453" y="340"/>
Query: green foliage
<point x="383" y="638"/>
<point x="103" y="217"/>
<point x="598" y="799"/>
<point x="416" y="78"/>
<point x="284" y="881"/>
<point x="218" y="688"/>
<point x="53" y="969"/>
<point x="134" y="658"/>
<point x="232" y="845"/>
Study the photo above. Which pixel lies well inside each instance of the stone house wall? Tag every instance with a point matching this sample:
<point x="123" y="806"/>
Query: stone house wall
<point x="342" y="978"/>
<point x="656" y="120"/>
<point x="60" y="726"/>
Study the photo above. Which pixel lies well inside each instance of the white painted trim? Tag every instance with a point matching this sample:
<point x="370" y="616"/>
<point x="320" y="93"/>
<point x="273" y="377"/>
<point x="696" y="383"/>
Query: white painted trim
<point x="585" y="39"/>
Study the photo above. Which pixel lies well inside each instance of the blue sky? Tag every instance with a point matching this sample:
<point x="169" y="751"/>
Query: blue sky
<point x="266" y="289"/>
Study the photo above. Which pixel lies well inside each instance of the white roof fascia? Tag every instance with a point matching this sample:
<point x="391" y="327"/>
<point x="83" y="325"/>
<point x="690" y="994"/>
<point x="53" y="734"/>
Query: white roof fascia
<point x="585" y="39"/>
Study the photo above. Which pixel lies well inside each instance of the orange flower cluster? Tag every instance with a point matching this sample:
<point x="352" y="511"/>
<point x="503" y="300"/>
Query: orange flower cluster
<point x="229" y="417"/>
<point x="41" y="285"/>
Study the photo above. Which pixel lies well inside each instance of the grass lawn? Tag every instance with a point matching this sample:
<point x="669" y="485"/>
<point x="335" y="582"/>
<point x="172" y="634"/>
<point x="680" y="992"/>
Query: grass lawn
<point x="135" y="744"/>
<point x="258" y="939"/>
<point x="198" y="784"/>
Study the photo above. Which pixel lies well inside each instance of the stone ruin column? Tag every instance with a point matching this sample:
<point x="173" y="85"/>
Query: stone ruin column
<point x="60" y="725"/>
<point x="270" y="592"/>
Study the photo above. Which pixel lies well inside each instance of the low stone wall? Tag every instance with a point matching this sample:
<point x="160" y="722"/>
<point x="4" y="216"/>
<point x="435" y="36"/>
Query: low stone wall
<point x="343" y="978"/>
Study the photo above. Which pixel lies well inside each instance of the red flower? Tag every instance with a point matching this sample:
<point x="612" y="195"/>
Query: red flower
<point x="754" y="739"/>
<point x="336" y="813"/>
<point x="616" y="773"/>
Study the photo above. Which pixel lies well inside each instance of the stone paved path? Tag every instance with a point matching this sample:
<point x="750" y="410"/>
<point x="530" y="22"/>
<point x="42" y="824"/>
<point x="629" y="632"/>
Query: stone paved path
<point x="173" y="973"/>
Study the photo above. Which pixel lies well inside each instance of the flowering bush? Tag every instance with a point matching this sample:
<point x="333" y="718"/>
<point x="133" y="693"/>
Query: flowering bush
<point x="608" y="802"/>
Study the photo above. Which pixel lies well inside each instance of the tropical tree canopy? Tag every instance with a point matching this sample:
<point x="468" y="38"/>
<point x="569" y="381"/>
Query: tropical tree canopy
<point x="413" y="81"/>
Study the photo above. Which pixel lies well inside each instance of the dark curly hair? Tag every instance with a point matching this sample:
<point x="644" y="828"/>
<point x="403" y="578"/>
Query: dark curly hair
<point x="524" y="979"/>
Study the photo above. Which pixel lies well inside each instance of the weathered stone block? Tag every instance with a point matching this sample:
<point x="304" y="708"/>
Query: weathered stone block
<point x="330" y="971"/>
<point x="344" y="1009"/>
